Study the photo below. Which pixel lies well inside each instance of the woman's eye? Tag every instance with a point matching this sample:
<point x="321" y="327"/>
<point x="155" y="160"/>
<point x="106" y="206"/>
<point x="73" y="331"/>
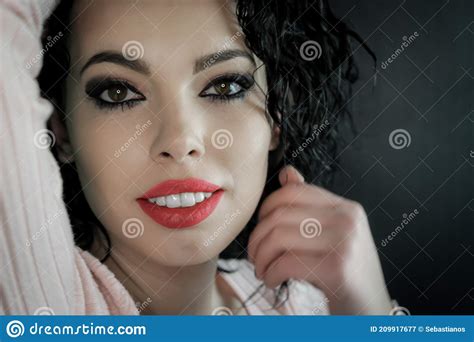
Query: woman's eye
<point x="111" y="94"/>
<point x="225" y="88"/>
<point x="118" y="93"/>
<point x="229" y="87"/>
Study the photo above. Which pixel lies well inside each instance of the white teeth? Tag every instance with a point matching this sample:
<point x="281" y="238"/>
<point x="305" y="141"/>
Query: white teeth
<point x="185" y="199"/>
<point x="199" y="197"/>
<point x="161" y="200"/>
<point x="172" y="201"/>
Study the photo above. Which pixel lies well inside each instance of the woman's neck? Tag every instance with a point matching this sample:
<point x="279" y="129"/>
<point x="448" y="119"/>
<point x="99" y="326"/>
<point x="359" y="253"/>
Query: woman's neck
<point x="169" y="290"/>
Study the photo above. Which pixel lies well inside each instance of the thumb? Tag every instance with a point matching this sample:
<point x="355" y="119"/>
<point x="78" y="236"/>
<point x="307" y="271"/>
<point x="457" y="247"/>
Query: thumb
<point x="289" y="174"/>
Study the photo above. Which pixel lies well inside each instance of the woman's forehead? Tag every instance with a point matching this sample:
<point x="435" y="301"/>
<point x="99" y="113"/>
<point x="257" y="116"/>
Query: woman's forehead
<point x="169" y="35"/>
<point x="164" y="24"/>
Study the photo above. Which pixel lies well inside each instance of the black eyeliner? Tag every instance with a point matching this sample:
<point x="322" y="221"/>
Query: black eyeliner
<point x="96" y="86"/>
<point x="245" y="81"/>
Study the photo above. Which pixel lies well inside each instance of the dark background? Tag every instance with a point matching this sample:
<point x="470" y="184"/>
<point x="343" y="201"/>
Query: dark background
<point x="428" y="91"/>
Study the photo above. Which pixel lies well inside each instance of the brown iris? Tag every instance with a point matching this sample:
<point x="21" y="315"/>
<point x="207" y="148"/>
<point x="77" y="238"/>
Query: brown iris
<point x="222" y="88"/>
<point x="117" y="92"/>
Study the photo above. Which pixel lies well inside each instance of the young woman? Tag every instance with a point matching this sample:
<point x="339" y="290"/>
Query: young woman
<point x="174" y="125"/>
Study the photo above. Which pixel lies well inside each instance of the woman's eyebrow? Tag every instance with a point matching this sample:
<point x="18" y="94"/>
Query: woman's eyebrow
<point x="142" y="67"/>
<point x="116" y="57"/>
<point x="220" y="56"/>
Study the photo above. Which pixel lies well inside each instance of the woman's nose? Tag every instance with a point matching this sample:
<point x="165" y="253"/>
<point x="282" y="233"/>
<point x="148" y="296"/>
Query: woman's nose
<point x="182" y="149"/>
<point x="180" y="138"/>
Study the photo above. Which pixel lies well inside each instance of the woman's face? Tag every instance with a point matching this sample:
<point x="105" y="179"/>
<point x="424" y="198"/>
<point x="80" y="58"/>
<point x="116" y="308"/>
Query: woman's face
<point x="165" y="119"/>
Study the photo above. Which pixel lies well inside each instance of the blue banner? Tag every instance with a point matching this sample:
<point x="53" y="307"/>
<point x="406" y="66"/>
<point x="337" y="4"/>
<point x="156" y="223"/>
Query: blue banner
<point x="237" y="328"/>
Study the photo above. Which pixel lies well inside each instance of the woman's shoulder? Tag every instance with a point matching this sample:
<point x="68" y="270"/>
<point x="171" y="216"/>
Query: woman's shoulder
<point x="302" y="297"/>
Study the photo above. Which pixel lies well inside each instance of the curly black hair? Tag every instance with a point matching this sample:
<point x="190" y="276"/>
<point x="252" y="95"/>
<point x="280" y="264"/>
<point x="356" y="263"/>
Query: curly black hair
<point x="310" y="68"/>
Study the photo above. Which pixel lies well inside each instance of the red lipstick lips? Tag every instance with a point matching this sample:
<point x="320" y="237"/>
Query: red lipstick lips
<point x="181" y="217"/>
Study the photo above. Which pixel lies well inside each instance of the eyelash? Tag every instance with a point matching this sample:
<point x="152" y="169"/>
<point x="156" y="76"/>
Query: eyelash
<point x="245" y="81"/>
<point x="95" y="88"/>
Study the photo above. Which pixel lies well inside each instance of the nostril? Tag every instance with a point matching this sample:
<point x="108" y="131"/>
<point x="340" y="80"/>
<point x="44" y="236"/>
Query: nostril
<point x="167" y="155"/>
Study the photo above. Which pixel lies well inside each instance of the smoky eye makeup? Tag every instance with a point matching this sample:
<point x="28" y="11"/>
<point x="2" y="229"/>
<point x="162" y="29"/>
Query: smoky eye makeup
<point x="110" y="93"/>
<point x="228" y="87"/>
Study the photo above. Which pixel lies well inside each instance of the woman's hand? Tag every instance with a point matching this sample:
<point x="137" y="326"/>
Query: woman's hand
<point x="306" y="232"/>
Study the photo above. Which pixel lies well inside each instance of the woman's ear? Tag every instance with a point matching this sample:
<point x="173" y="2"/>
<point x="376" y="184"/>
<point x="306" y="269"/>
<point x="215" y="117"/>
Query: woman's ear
<point x="63" y="146"/>
<point x="275" y="141"/>
<point x="275" y="137"/>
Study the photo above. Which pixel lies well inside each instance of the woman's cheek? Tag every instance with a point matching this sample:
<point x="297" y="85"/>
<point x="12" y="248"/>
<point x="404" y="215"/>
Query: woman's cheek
<point x="102" y="175"/>
<point x="250" y="161"/>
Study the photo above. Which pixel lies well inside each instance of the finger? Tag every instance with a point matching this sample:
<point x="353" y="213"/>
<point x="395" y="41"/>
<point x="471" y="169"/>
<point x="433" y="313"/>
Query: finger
<point x="293" y="194"/>
<point x="295" y="219"/>
<point x="282" y="240"/>
<point x="290" y="195"/>
<point x="290" y="266"/>
<point x="289" y="174"/>
<point x="280" y="215"/>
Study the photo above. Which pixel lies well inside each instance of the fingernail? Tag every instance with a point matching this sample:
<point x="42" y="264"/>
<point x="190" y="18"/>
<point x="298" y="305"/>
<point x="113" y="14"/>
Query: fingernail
<point x="300" y="176"/>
